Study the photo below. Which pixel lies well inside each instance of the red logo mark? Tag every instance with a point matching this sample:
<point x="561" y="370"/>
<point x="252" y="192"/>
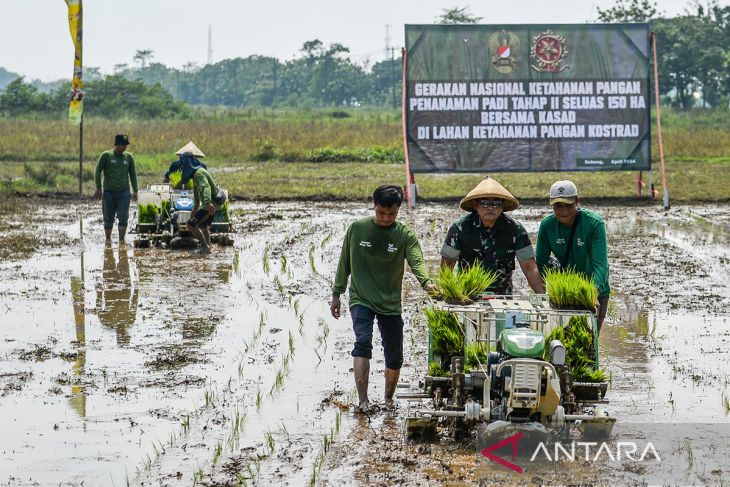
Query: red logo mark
<point x="487" y="452"/>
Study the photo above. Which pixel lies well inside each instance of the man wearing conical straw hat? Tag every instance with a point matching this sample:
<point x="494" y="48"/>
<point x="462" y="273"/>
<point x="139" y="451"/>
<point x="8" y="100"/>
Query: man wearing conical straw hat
<point x="206" y="194"/>
<point x="485" y="235"/>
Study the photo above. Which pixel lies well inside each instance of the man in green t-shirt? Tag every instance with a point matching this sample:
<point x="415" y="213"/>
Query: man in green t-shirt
<point x="576" y="237"/>
<point x="117" y="167"/>
<point x="373" y="256"/>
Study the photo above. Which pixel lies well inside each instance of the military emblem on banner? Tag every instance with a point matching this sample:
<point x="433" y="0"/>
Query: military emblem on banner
<point x="548" y="51"/>
<point x="503" y="45"/>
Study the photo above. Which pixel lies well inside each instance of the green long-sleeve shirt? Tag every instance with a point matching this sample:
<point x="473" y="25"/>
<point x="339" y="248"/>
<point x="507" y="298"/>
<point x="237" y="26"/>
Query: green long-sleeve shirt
<point x="373" y="258"/>
<point x="118" y="170"/>
<point x="203" y="188"/>
<point x="589" y="252"/>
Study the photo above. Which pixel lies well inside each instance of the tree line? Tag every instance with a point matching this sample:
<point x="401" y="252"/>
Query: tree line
<point x="693" y="66"/>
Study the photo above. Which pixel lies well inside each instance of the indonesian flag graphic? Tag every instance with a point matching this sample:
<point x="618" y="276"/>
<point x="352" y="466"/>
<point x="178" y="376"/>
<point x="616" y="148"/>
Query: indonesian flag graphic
<point x="503" y="52"/>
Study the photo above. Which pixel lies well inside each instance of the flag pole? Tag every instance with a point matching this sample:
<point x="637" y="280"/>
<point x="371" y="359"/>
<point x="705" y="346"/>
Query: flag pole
<point x="81" y="154"/>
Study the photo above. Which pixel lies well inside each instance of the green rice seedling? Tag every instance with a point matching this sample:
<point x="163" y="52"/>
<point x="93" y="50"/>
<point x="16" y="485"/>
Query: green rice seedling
<point x="296" y="307"/>
<point x="725" y="403"/>
<point x="324" y="327"/>
<point x="447" y="338"/>
<point x="217" y="453"/>
<point x="434" y="370"/>
<point x="291" y="343"/>
<point x="186" y="424"/>
<point x="283" y="263"/>
<point x="209" y="397"/>
<point x="567" y="289"/>
<point x="464" y="285"/>
<point x="283" y="429"/>
<point x="258" y="399"/>
<point x="325" y="240"/>
<point x="240" y="365"/>
<point x="311" y="259"/>
<point x="301" y="325"/>
<point x="577" y="338"/>
<point x="198" y="476"/>
<point x="265" y="261"/>
<point x="476" y="355"/>
<point x="270" y="442"/>
<point x="475" y="280"/>
<point x="278" y="284"/>
<point x="147" y="213"/>
<point x="319" y="357"/>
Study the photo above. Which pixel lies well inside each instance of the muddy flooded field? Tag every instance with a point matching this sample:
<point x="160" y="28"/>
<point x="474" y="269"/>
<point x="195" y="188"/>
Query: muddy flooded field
<point x="125" y="366"/>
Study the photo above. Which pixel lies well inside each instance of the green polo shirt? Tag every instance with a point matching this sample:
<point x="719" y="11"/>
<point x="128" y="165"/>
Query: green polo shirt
<point x="203" y="188"/>
<point x="589" y="251"/>
<point x="118" y="171"/>
<point x="373" y="258"/>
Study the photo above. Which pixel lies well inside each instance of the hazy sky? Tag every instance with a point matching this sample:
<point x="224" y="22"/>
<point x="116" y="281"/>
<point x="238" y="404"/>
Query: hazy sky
<point x="36" y="42"/>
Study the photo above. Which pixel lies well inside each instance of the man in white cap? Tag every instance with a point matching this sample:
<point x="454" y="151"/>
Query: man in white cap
<point x="488" y="237"/>
<point x="577" y="239"/>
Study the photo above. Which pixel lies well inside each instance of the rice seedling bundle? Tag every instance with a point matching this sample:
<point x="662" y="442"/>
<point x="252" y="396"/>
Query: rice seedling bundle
<point x="465" y="285"/>
<point x="148" y="212"/>
<point x="476" y="354"/>
<point x="567" y="289"/>
<point x="447" y="338"/>
<point x="577" y="338"/>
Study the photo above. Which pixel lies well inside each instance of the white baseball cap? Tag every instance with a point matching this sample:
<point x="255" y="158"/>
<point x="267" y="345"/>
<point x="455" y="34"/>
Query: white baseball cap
<point x="563" y="192"/>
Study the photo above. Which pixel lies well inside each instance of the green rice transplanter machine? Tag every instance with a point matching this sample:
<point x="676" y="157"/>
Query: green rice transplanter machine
<point x="522" y="384"/>
<point x="162" y="216"/>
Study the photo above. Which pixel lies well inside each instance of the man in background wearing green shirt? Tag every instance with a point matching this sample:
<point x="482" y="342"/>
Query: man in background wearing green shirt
<point x="373" y="255"/>
<point x="577" y="239"/>
<point x="118" y="169"/>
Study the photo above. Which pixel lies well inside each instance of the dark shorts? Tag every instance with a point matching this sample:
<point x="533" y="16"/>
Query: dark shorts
<point x="391" y="334"/>
<point x="115" y="204"/>
<point x="200" y="218"/>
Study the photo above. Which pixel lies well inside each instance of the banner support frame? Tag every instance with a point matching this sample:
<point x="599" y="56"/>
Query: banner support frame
<point x="410" y="187"/>
<point x="659" y="124"/>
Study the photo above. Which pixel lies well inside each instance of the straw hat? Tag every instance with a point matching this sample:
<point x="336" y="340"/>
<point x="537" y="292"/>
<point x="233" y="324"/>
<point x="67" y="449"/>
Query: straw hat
<point x="489" y="188"/>
<point x="190" y="147"/>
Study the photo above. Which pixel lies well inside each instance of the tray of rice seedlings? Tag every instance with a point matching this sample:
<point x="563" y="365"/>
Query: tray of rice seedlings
<point x="567" y="289"/>
<point x="577" y="338"/>
<point x="147" y="213"/>
<point x="477" y="357"/>
<point x="446" y="340"/>
<point x="463" y="286"/>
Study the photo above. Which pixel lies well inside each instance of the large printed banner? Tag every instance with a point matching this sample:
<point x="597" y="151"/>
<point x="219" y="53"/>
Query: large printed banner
<point x="527" y="97"/>
<point x="75" y="24"/>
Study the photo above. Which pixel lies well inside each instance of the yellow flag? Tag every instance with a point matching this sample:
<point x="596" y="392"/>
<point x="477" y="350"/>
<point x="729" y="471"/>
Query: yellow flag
<point x="75" y="24"/>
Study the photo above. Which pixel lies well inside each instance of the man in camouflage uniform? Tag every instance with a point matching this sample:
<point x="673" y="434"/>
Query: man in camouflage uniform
<point x="488" y="237"/>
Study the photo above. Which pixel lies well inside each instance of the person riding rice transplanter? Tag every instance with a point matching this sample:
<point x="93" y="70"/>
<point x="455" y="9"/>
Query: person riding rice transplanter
<point x="205" y="193"/>
<point x="488" y="237"/>
<point x="576" y="238"/>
